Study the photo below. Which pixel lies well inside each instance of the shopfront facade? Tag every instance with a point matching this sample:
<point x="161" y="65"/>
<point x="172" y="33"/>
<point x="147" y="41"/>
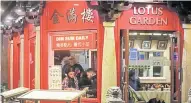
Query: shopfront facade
<point x="71" y="28"/>
<point x="151" y="23"/>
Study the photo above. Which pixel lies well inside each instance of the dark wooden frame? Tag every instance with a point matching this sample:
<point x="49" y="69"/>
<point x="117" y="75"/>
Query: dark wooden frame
<point x="146" y="41"/>
<point x="165" y="44"/>
<point x="131" y="43"/>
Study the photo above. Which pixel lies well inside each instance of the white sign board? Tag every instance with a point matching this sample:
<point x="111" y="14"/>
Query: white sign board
<point x="55" y="77"/>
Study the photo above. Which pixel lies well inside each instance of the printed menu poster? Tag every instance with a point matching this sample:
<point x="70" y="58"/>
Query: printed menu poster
<point x="55" y="77"/>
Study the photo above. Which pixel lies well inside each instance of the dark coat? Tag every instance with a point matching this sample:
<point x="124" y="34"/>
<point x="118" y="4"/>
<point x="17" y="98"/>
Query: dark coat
<point x="93" y="87"/>
<point x="135" y="83"/>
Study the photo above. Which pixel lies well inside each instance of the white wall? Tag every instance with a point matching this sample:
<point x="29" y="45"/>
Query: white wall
<point x="166" y="69"/>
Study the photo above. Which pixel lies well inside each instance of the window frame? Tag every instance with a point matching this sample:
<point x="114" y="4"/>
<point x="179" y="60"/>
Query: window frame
<point x="51" y="62"/>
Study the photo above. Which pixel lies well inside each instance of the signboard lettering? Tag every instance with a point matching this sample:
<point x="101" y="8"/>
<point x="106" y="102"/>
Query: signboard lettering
<point x="55" y="17"/>
<point x="71" y="16"/>
<point x="87" y="15"/>
<point x="148" y="20"/>
<point x="85" y="41"/>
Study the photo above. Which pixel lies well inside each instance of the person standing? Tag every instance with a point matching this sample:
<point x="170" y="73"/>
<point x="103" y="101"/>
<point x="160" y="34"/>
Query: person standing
<point x="134" y="81"/>
<point x="65" y="64"/>
<point x="77" y="67"/>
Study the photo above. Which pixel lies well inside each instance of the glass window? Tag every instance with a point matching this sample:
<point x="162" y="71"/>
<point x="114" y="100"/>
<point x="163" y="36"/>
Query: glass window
<point x="157" y="71"/>
<point x="79" y="70"/>
<point x="147" y="70"/>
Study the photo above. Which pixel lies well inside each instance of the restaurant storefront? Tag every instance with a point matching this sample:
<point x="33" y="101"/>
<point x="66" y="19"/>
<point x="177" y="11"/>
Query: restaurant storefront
<point x="150" y="42"/>
<point x="72" y="29"/>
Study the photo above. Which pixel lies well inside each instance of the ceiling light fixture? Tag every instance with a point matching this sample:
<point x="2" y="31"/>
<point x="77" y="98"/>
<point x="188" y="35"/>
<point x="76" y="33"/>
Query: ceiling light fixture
<point x="9" y="17"/>
<point x="19" y="10"/>
<point x="156" y="33"/>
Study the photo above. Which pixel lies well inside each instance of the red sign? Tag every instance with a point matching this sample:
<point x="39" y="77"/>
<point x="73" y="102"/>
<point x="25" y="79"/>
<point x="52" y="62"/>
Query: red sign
<point x="78" y="41"/>
<point x="148" y="17"/>
<point x="73" y="15"/>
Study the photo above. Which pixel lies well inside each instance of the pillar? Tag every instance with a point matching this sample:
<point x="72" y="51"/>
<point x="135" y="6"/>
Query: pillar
<point x="21" y="60"/>
<point x="109" y="71"/>
<point x="11" y="64"/>
<point x="37" y="59"/>
<point x="186" y="63"/>
<point x="1" y="43"/>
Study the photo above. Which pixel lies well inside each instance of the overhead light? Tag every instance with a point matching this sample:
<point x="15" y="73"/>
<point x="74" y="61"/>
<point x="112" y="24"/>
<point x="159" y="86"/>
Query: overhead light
<point x="30" y="10"/>
<point x="142" y="33"/>
<point x="9" y="17"/>
<point x="19" y="10"/>
<point x="132" y="33"/>
<point x="8" y="21"/>
<point x="156" y="33"/>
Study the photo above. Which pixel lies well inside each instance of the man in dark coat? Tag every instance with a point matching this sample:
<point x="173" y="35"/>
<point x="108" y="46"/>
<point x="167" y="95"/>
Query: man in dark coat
<point x="134" y="82"/>
<point x="91" y="75"/>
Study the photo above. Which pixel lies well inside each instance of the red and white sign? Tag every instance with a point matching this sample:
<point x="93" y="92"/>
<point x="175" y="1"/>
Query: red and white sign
<point x="75" y="41"/>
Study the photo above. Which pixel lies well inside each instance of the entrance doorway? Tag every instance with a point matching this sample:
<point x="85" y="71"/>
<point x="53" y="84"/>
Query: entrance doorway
<point x="150" y="65"/>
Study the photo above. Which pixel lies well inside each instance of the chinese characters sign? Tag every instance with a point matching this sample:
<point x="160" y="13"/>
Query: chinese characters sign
<point x="55" y="80"/>
<point x="86" y="15"/>
<point x="65" y="42"/>
<point x="55" y="17"/>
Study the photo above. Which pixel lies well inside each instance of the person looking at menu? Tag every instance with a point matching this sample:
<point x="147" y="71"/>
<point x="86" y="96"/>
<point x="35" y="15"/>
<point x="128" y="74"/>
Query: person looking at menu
<point x="77" y="67"/>
<point x="70" y="82"/>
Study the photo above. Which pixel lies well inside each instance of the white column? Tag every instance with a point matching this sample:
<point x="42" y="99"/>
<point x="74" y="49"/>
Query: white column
<point x="21" y="60"/>
<point x="11" y="64"/>
<point x="109" y="71"/>
<point x="1" y="43"/>
<point x="37" y="58"/>
<point x="186" y="63"/>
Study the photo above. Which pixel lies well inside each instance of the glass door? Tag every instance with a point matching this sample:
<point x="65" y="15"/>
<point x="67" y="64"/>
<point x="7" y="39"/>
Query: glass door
<point x="146" y="65"/>
<point x="176" y="69"/>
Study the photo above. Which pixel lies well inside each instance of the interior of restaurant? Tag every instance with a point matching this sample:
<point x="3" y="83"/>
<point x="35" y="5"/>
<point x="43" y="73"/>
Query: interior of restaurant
<point x="85" y="59"/>
<point x="149" y="65"/>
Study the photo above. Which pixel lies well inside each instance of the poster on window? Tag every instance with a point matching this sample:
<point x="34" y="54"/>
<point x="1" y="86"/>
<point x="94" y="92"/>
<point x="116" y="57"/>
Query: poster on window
<point x="54" y="77"/>
<point x="73" y="41"/>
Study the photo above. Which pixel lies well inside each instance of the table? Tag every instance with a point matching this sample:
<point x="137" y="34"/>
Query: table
<point x="13" y="93"/>
<point x="147" y="95"/>
<point x="52" y="95"/>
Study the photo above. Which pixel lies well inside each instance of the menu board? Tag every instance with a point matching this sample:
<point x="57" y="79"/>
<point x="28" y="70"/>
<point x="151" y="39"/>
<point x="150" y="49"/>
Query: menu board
<point x="74" y="41"/>
<point x="55" y="77"/>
